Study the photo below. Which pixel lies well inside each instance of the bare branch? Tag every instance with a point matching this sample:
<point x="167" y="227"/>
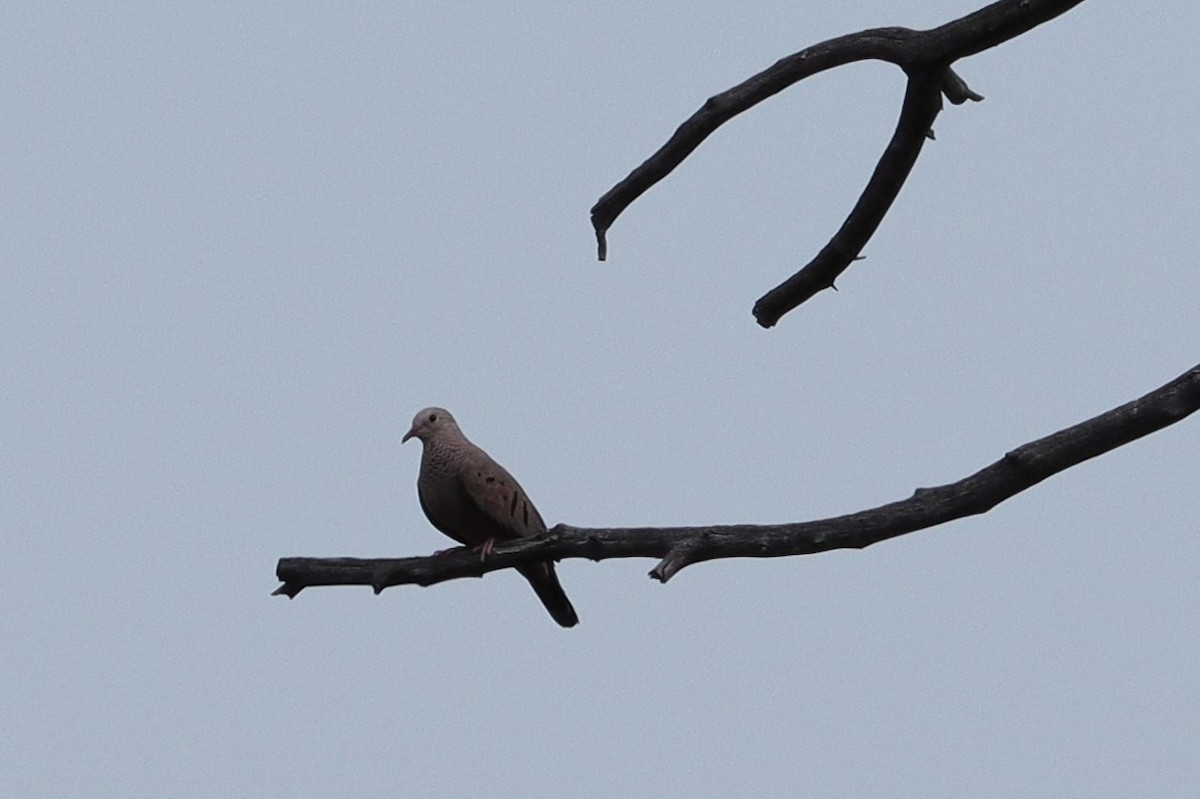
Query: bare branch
<point x="678" y="547"/>
<point x="922" y="102"/>
<point x="925" y="56"/>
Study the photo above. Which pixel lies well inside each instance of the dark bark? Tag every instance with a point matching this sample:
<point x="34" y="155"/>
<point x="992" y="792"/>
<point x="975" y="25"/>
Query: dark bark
<point x="677" y="547"/>
<point x="925" y="56"/>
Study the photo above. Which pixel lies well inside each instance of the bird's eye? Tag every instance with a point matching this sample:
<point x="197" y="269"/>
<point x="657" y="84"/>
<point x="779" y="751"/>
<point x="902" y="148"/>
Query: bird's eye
<point x="433" y="417"/>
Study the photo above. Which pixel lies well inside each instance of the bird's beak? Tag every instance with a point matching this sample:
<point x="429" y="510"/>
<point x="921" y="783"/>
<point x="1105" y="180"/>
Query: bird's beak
<point x="411" y="432"/>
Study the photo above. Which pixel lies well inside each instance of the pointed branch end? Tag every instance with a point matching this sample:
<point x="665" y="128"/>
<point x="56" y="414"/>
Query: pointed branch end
<point x="956" y="89"/>
<point x="965" y="94"/>
<point x="673" y="563"/>
<point x="288" y="590"/>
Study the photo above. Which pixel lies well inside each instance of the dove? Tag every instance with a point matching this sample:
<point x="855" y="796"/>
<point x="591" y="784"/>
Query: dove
<point x="474" y="500"/>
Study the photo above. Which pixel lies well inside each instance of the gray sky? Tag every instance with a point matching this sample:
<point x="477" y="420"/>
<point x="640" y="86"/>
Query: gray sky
<point x="244" y="245"/>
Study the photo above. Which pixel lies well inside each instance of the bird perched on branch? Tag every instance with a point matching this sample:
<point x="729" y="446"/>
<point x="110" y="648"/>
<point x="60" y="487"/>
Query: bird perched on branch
<point x="475" y="501"/>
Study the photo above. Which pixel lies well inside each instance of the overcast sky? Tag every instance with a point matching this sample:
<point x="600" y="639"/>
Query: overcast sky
<point x="244" y="243"/>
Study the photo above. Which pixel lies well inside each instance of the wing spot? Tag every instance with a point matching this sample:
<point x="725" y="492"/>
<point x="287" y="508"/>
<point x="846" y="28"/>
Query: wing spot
<point x="490" y="480"/>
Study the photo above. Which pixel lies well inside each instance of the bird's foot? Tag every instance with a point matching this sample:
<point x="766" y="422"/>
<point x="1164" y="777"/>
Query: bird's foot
<point x="486" y="548"/>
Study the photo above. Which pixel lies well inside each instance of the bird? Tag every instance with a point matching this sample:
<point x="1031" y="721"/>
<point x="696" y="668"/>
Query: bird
<point x="474" y="500"/>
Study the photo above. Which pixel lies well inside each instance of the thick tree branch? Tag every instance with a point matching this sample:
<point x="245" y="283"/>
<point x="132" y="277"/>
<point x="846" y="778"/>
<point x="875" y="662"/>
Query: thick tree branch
<point x="925" y="56"/>
<point x="678" y="547"/>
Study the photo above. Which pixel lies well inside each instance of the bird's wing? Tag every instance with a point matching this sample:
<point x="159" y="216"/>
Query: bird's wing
<point x="499" y="497"/>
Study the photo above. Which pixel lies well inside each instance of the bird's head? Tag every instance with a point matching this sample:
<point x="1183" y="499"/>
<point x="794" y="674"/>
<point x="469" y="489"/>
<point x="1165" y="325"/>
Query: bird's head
<point x="428" y="423"/>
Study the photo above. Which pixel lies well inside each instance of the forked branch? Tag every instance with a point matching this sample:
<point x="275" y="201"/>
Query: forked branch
<point x="925" y="56"/>
<point x="678" y="547"/>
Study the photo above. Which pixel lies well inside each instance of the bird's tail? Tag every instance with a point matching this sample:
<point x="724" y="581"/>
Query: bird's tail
<point x="545" y="583"/>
